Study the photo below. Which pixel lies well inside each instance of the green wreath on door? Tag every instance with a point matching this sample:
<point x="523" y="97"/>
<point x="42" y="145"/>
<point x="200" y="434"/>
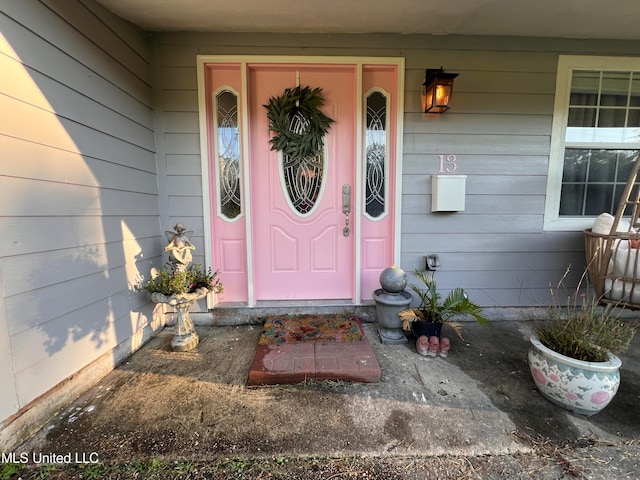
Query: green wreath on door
<point x="297" y="121"/>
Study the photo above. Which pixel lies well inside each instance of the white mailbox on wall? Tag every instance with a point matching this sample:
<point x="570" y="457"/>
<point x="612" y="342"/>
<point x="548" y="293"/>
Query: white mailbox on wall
<point x="448" y="193"/>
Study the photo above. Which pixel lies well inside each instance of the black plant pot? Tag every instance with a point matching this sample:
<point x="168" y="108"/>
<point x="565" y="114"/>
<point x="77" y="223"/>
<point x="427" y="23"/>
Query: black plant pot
<point x="428" y="329"/>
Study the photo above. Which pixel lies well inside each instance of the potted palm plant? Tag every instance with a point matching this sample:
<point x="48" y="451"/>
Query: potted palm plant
<point x="428" y="317"/>
<point x="573" y="356"/>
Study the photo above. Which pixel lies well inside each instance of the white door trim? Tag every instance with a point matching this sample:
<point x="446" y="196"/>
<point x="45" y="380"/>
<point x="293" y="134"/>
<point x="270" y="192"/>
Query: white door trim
<point x="243" y="60"/>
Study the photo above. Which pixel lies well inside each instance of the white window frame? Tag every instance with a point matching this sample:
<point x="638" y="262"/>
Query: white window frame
<point x="566" y="65"/>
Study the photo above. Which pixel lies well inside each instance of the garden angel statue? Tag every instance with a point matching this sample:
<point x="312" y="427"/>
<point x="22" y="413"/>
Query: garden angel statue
<point x="179" y="246"/>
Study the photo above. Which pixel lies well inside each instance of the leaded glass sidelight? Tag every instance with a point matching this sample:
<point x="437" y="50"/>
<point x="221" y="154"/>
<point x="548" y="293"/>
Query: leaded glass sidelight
<point x="303" y="176"/>
<point x="376" y="153"/>
<point x="228" y="154"/>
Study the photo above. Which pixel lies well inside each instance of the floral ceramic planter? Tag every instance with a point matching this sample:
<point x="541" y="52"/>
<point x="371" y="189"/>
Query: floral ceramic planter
<point x="578" y="386"/>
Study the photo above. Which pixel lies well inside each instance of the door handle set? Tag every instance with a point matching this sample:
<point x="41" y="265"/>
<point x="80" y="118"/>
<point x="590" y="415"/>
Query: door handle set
<point x="346" y="207"/>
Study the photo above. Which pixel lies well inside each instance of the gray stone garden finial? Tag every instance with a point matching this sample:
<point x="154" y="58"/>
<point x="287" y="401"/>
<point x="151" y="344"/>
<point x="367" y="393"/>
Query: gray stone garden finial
<point x="391" y="299"/>
<point x="179" y="246"/>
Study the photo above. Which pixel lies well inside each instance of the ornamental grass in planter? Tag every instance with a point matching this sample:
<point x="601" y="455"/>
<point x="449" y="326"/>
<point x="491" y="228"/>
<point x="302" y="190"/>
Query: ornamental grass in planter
<point x="573" y="355"/>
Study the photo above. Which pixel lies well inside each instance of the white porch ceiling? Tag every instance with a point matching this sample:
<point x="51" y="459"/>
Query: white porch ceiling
<point x="595" y="19"/>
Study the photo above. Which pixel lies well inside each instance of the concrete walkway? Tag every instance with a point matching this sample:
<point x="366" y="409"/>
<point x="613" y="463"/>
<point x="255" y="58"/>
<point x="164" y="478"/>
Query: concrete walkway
<point x="480" y="400"/>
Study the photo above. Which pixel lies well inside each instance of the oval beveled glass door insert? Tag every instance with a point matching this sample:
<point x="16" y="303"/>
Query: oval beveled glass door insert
<point x="303" y="177"/>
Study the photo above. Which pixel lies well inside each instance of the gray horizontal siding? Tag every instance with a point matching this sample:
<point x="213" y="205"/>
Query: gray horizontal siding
<point x="505" y="261"/>
<point x="90" y="171"/>
<point x="57" y="357"/>
<point x="80" y="109"/>
<point x="563" y="242"/>
<point x="490" y="281"/>
<point x="120" y="40"/>
<point x="462" y="225"/>
<point x="44" y="48"/>
<point x="511" y="165"/>
<point x="178" y="147"/>
<point x="467" y="124"/>
<point x="499" y="103"/>
<point x="46" y="128"/>
<point x="71" y="231"/>
<point x="481" y="184"/>
<point x="493" y="204"/>
<point x="183" y="165"/>
<point x="64" y="265"/>
<point x="79" y="188"/>
<point x="84" y="42"/>
<point x="429" y="143"/>
<point x="64" y="199"/>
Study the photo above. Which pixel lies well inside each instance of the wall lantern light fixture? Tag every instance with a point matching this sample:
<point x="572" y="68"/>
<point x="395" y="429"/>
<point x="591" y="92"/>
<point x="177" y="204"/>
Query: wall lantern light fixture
<point x="437" y="90"/>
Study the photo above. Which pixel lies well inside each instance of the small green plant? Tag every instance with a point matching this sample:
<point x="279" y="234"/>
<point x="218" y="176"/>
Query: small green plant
<point x="432" y="309"/>
<point x="237" y="466"/>
<point x="185" y="468"/>
<point x="580" y="328"/>
<point x="45" y="472"/>
<point x="149" y="468"/>
<point x="9" y="470"/>
<point x="93" y="472"/>
<point x="171" y="281"/>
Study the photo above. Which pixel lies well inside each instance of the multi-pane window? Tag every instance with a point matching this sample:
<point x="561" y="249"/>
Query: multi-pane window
<point x="593" y="180"/>
<point x="599" y="137"/>
<point x="604" y="109"/>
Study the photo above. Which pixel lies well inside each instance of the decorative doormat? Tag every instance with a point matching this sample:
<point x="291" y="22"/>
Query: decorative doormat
<point x="279" y="329"/>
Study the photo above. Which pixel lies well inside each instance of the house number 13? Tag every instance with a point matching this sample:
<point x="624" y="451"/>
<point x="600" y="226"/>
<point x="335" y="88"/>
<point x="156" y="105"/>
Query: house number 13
<point x="447" y="163"/>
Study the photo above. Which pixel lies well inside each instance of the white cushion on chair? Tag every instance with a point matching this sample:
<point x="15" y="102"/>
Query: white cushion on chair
<point x="603" y="223"/>
<point x="624" y="267"/>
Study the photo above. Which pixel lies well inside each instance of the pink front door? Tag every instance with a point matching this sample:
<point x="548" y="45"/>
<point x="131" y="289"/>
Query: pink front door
<point x="302" y="252"/>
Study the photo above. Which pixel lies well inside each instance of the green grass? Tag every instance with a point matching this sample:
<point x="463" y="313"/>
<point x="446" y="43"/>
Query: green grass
<point x="311" y="468"/>
<point x="150" y="469"/>
<point x="8" y="470"/>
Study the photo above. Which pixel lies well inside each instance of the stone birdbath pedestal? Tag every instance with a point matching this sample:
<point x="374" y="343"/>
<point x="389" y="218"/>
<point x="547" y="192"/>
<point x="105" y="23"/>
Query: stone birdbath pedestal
<point x="180" y="248"/>
<point x="185" y="337"/>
